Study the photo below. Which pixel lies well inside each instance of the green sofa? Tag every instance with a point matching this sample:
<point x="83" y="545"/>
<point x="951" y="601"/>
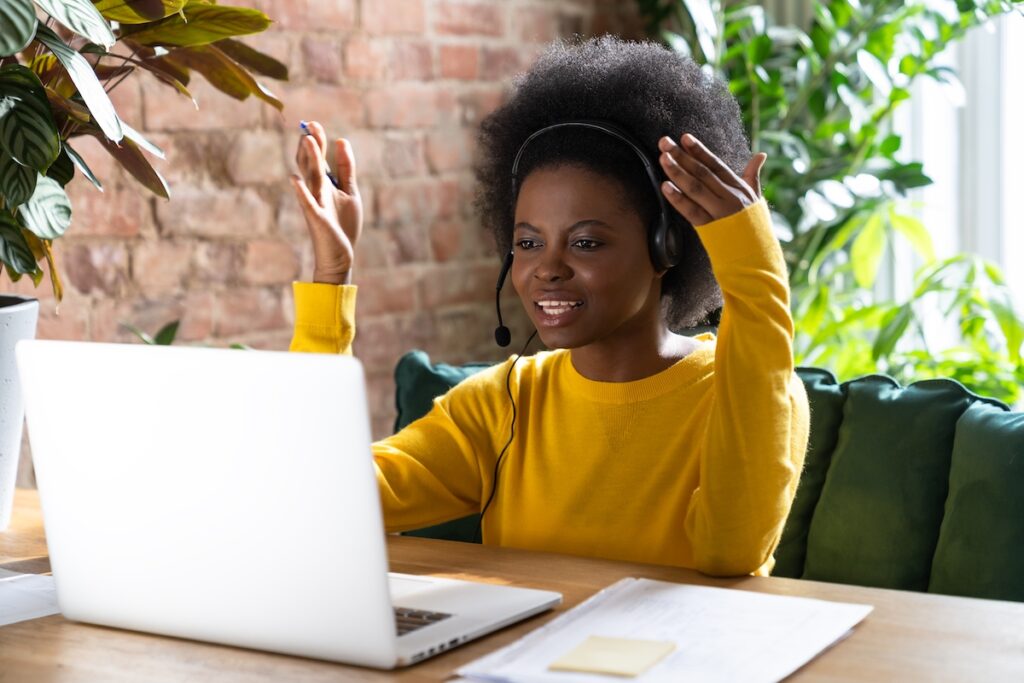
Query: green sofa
<point x="914" y="488"/>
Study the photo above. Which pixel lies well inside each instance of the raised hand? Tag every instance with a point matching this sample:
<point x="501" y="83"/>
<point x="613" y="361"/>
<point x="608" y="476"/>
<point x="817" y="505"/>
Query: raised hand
<point x="334" y="216"/>
<point x="700" y="186"/>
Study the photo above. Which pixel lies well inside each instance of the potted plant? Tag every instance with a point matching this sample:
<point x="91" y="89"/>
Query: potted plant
<point x="820" y="101"/>
<point x="59" y="60"/>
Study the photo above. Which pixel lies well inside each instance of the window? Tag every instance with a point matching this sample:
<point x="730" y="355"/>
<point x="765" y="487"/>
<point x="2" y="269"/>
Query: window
<point x="972" y="145"/>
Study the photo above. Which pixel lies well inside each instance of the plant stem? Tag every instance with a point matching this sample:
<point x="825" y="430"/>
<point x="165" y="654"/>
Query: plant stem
<point x="124" y="61"/>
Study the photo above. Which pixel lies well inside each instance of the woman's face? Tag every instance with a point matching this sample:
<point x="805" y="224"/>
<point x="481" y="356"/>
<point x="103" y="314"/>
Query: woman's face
<point x="581" y="265"/>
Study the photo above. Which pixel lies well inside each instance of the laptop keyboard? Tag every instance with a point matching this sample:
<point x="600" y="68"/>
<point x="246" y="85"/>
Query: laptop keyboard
<point x="408" y="620"/>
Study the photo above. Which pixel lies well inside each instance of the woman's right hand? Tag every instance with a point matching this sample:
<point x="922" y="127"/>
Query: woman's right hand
<point x="334" y="216"/>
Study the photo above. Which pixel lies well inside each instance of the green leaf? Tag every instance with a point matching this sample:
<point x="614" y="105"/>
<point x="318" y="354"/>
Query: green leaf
<point x="916" y="234"/>
<point x="896" y="323"/>
<point x="137" y="11"/>
<point x="867" y="251"/>
<point x="82" y="166"/>
<point x="994" y="273"/>
<point x="17" y="26"/>
<point x="255" y="60"/>
<point x="47" y="215"/>
<point x="81" y="17"/>
<point x="14" y="250"/>
<point x="27" y="130"/>
<point x="63" y="169"/>
<point x="1011" y="326"/>
<point x="906" y="176"/>
<point x="890" y="145"/>
<point x="759" y="49"/>
<point x="85" y="80"/>
<point x="134" y="161"/>
<point x="199" y="24"/>
<point x="874" y="69"/>
<point x="165" y="337"/>
<point x="705" y="25"/>
<point x="17" y="182"/>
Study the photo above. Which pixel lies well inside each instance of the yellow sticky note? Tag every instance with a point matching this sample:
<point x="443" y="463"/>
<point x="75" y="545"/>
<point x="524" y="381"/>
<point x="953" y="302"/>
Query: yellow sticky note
<point x="614" y="656"/>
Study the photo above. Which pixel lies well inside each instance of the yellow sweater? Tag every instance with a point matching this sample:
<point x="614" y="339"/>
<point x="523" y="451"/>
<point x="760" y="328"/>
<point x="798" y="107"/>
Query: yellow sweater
<point x="695" y="466"/>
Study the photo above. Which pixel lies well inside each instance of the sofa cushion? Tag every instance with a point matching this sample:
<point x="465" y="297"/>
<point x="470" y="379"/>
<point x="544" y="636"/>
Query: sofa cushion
<point x="877" y="520"/>
<point x="826" y="402"/>
<point x="417" y="383"/>
<point x="981" y="543"/>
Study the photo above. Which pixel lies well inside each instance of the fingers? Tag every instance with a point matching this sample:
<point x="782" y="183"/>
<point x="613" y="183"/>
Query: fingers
<point x="691" y="210"/>
<point x="307" y="201"/>
<point x="709" y="159"/>
<point x="703" y="179"/>
<point x="346" y="166"/>
<point x="694" y="177"/>
<point x="752" y="173"/>
<point x="311" y="165"/>
<point x="320" y="136"/>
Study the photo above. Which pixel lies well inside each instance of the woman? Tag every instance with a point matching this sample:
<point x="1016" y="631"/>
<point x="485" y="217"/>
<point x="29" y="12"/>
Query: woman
<point x="631" y="441"/>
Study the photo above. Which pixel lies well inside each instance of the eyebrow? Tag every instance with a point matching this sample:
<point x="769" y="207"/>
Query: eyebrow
<point x="585" y="223"/>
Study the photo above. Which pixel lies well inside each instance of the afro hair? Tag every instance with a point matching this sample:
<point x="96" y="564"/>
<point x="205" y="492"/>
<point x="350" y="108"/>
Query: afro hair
<point x="642" y="88"/>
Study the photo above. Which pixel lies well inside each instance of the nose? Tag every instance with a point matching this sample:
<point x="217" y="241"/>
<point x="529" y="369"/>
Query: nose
<point x="552" y="266"/>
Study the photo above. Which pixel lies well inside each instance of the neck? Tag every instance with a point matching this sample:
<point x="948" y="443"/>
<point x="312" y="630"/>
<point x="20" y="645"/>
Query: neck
<point x="645" y="355"/>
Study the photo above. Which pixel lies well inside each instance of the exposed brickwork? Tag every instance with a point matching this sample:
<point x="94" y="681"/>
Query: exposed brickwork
<point x="408" y="81"/>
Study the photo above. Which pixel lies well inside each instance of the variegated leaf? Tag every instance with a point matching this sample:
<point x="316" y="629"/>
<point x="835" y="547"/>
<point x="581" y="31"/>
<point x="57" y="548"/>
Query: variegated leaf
<point x="82" y="166"/>
<point x="47" y="214"/>
<point x="17" y="182"/>
<point x="63" y="169"/>
<point x="81" y="17"/>
<point x="14" y="251"/>
<point x="17" y="25"/>
<point x="85" y="80"/>
<point x="27" y="130"/>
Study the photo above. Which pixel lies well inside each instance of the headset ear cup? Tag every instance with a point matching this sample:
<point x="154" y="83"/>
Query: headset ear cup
<point x="673" y="246"/>
<point x="664" y="245"/>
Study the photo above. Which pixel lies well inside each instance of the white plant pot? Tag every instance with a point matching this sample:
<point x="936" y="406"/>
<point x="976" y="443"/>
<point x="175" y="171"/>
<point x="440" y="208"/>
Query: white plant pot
<point x="18" y="317"/>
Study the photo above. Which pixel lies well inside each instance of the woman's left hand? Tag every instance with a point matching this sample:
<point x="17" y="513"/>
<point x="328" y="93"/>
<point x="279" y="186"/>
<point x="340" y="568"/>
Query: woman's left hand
<point x="700" y="186"/>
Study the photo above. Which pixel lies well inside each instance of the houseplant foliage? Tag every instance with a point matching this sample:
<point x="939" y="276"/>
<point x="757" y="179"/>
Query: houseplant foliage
<point x="820" y="101"/>
<point x="59" y="60"/>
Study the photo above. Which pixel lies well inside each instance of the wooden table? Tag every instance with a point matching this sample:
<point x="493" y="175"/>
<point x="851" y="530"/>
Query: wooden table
<point x="908" y="637"/>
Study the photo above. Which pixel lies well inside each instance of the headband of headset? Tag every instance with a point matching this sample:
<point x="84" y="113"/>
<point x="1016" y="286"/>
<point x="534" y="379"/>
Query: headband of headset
<point x="663" y="243"/>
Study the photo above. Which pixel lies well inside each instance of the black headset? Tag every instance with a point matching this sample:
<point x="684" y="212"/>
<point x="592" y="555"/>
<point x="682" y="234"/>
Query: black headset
<point x="663" y="240"/>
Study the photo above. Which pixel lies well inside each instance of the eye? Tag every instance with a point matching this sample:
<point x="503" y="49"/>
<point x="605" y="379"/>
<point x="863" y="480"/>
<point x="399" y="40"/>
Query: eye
<point x="586" y="244"/>
<point x="525" y="244"/>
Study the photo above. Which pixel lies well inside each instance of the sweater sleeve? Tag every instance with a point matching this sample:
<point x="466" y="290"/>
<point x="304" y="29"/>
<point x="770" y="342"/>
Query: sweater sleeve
<point x="756" y="437"/>
<point x="436" y="468"/>
<point x="325" y="318"/>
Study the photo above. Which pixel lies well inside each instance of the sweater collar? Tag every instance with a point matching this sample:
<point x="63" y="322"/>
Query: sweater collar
<point x="684" y="372"/>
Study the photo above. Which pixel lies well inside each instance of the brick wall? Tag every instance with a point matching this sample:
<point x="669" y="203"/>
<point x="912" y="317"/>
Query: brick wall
<point x="407" y="81"/>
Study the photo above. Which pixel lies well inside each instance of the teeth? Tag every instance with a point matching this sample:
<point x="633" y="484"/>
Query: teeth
<point x="558" y="307"/>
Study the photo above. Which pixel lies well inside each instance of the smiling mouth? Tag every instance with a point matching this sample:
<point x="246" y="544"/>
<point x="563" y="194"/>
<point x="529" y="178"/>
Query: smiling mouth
<point x="555" y="308"/>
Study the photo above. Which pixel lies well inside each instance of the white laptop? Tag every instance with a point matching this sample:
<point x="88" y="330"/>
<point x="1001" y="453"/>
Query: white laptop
<point x="229" y="496"/>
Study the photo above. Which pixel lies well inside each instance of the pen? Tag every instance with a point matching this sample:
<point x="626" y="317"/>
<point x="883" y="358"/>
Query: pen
<point x="307" y="131"/>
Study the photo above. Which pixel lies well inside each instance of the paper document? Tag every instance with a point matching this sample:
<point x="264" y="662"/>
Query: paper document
<point x="26" y="596"/>
<point x="719" y="634"/>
